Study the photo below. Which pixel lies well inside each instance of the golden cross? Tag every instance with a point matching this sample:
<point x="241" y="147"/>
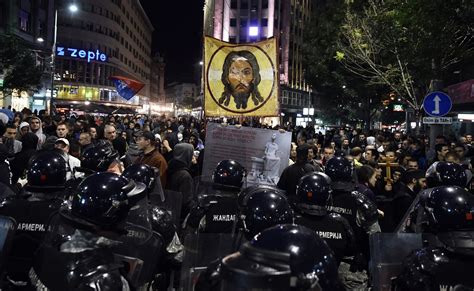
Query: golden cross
<point x="388" y="170"/>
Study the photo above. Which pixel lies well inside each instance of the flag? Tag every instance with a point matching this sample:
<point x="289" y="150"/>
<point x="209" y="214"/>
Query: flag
<point x="127" y="88"/>
<point x="240" y="79"/>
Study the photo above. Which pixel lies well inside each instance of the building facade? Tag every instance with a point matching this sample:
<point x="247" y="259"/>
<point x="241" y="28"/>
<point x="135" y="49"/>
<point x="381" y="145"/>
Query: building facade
<point x="157" y="79"/>
<point x="33" y="22"/>
<point x="102" y="39"/>
<point x="243" y="21"/>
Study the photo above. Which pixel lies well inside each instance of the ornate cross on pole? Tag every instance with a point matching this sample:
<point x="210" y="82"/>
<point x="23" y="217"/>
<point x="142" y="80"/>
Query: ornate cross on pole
<point x="388" y="170"/>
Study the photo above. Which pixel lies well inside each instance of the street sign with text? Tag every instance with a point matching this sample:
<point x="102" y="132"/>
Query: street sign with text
<point x="437" y="120"/>
<point x="437" y="104"/>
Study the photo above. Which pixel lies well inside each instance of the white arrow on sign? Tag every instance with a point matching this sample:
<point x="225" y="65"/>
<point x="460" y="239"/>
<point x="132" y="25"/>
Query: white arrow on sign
<point x="436" y="101"/>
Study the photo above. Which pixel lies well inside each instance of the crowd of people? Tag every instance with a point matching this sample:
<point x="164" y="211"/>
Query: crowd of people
<point x="345" y="185"/>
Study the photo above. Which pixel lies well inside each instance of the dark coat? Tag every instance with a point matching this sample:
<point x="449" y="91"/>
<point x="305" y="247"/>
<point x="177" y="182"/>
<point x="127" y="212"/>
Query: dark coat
<point x="179" y="176"/>
<point x="291" y="176"/>
<point x="20" y="162"/>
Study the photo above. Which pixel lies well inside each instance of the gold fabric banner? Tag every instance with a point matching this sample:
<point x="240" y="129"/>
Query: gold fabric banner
<point x="240" y="79"/>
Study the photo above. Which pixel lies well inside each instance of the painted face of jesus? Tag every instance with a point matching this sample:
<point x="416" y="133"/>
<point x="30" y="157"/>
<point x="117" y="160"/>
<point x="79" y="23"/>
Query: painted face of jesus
<point x="240" y="76"/>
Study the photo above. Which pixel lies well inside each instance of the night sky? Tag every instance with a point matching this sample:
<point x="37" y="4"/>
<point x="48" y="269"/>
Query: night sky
<point x="177" y="36"/>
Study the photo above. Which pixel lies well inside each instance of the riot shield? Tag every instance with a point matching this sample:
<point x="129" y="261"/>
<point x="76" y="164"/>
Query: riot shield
<point x="199" y="251"/>
<point x="140" y="247"/>
<point x="156" y="195"/>
<point x="406" y="225"/>
<point x="140" y="251"/>
<point x="387" y="252"/>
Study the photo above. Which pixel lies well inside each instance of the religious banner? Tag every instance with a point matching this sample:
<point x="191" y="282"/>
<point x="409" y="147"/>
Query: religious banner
<point x="264" y="153"/>
<point x="126" y="87"/>
<point x="240" y="79"/>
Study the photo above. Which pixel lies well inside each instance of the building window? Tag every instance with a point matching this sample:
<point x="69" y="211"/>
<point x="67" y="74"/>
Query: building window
<point x="24" y="21"/>
<point x="264" y="21"/>
<point x="264" y="4"/>
<point x="42" y="28"/>
<point x="244" y="4"/>
<point x="233" y="22"/>
<point x="233" y="4"/>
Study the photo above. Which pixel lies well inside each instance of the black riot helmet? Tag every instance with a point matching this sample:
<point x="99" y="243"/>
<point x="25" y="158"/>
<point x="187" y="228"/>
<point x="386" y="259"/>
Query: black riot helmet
<point x="283" y="257"/>
<point x="47" y="172"/>
<point x="339" y="169"/>
<point x="313" y="193"/>
<point x="445" y="209"/>
<point x="102" y="200"/>
<point x="141" y="173"/>
<point x="261" y="207"/>
<point x="446" y="174"/>
<point x="229" y="173"/>
<point x="99" y="158"/>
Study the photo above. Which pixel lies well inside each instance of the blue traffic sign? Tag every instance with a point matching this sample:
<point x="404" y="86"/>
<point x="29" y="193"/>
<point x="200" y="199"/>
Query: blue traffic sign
<point x="437" y="104"/>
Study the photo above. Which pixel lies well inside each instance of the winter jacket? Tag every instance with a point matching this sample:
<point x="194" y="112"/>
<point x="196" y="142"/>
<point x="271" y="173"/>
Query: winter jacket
<point x="179" y="176"/>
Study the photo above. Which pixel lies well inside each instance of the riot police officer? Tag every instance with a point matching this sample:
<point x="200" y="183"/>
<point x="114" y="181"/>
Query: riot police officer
<point x="447" y="260"/>
<point x="360" y="212"/>
<point x="41" y="197"/>
<point x="284" y="257"/>
<point x="147" y="175"/>
<point x="261" y="207"/>
<point x="159" y="217"/>
<point x="100" y="158"/>
<point x="313" y="195"/>
<point x="446" y="174"/>
<point x="78" y="253"/>
<point x="215" y="212"/>
<point x="438" y="174"/>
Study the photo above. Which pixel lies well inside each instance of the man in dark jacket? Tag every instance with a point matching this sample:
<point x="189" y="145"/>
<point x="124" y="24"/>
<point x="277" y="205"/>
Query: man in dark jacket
<point x="179" y="176"/>
<point x="413" y="182"/>
<point x="20" y="163"/>
<point x="292" y="174"/>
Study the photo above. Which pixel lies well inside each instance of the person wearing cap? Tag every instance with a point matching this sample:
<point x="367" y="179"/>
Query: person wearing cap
<point x="151" y="156"/>
<point x="23" y="129"/>
<point x="73" y="162"/>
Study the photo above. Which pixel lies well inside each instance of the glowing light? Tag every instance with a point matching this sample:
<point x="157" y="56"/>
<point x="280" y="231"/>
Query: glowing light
<point x="253" y="31"/>
<point x="73" y="8"/>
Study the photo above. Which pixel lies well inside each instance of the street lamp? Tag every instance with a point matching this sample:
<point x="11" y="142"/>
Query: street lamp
<point x="72" y="8"/>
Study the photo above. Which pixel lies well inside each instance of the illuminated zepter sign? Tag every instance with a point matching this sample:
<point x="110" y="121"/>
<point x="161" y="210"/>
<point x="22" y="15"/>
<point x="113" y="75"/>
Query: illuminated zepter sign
<point x="81" y="54"/>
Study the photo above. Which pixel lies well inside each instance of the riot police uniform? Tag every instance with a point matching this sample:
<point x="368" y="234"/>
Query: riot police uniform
<point x="148" y="210"/>
<point x="99" y="158"/>
<point x="438" y="174"/>
<point x="446" y="174"/>
<point x="78" y="253"/>
<point x="216" y="212"/>
<point x="360" y="212"/>
<point x="259" y="207"/>
<point x="41" y="197"/>
<point x="284" y="257"/>
<point x="312" y="197"/>
<point x="445" y="215"/>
